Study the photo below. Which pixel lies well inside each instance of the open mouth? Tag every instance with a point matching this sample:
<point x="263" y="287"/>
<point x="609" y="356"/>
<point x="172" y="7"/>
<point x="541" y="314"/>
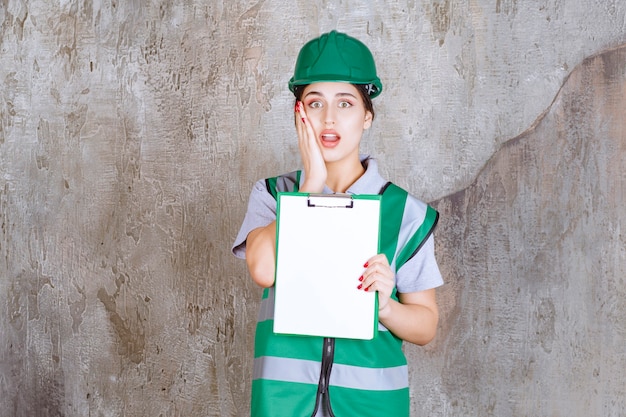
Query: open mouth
<point x="329" y="138"/>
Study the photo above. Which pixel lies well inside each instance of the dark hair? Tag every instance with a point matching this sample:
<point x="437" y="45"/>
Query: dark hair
<point x="362" y="88"/>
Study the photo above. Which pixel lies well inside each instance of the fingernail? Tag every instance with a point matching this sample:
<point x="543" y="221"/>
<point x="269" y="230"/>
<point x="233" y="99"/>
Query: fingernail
<point x="360" y="286"/>
<point x="366" y="265"/>
<point x="295" y="108"/>
<point x="361" y="278"/>
<point x="303" y="121"/>
<point x="367" y="289"/>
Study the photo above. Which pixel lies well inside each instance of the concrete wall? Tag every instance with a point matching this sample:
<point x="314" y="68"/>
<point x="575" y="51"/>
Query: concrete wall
<point x="536" y="297"/>
<point x="131" y="133"/>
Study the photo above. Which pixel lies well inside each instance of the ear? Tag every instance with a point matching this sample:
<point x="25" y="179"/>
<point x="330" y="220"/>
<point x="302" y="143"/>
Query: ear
<point x="367" y="123"/>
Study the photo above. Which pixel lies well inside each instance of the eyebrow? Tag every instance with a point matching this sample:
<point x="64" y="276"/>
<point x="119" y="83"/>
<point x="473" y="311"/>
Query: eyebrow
<point x="317" y="93"/>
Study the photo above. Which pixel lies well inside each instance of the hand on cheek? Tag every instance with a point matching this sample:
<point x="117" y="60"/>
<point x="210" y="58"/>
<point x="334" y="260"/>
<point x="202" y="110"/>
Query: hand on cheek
<point x="312" y="159"/>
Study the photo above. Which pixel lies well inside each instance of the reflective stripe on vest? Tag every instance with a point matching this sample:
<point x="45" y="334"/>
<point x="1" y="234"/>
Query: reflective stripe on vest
<point x="346" y="376"/>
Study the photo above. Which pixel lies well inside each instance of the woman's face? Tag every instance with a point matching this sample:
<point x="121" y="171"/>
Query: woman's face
<point x="338" y="117"/>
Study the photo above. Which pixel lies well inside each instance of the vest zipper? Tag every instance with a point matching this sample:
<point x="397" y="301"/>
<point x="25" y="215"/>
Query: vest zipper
<point x="328" y="355"/>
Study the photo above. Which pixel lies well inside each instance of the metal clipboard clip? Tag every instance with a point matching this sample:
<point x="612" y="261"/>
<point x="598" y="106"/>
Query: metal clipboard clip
<point x="330" y="200"/>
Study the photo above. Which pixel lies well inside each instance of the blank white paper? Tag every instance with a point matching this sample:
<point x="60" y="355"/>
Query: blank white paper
<point x="320" y="256"/>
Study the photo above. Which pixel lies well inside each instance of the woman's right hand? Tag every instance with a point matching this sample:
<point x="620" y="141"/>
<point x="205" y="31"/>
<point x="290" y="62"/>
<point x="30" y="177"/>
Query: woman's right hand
<point x="312" y="159"/>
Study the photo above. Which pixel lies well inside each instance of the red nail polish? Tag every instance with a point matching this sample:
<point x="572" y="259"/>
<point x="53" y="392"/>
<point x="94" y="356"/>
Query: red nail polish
<point x="361" y="278"/>
<point x="360" y="286"/>
<point x="303" y="121"/>
<point x="295" y="108"/>
<point x="367" y="289"/>
<point x="366" y="265"/>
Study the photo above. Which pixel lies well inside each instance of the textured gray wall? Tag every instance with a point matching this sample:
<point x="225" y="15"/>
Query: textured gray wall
<point x="534" y="310"/>
<point x="132" y="131"/>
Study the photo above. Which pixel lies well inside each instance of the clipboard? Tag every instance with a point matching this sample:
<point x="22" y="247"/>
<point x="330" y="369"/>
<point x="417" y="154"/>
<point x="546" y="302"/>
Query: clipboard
<point x="322" y="242"/>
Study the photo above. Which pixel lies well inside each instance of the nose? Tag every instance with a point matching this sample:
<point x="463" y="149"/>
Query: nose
<point x="329" y="116"/>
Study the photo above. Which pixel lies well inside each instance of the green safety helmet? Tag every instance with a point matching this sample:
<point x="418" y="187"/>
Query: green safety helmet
<point x="336" y="57"/>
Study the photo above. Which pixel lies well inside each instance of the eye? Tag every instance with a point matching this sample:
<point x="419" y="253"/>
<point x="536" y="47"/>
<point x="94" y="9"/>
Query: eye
<point x="315" y="104"/>
<point x="344" y="104"/>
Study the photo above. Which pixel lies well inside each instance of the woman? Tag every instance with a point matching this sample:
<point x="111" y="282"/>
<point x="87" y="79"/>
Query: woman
<point x="334" y="82"/>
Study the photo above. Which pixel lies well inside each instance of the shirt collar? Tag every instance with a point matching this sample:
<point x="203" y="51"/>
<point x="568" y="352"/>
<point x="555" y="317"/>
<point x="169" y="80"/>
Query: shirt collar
<point x="369" y="183"/>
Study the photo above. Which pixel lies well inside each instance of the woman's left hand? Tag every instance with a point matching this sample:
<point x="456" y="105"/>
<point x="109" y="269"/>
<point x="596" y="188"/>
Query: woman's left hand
<point x="378" y="276"/>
